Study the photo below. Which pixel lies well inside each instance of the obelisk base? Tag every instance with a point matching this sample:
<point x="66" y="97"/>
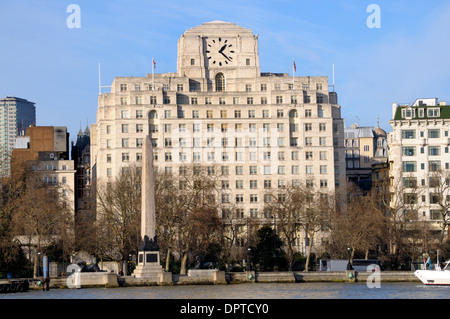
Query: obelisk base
<point x="150" y="270"/>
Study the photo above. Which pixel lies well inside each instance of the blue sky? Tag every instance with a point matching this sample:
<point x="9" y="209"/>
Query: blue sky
<point x="44" y="61"/>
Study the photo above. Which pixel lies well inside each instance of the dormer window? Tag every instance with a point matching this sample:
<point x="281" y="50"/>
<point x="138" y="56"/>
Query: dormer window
<point x="408" y="113"/>
<point x="433" y="112"/>
<point x="421" y="113"/>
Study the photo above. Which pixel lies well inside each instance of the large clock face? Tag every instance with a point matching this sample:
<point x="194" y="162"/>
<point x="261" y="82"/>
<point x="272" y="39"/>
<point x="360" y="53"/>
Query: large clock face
<point x="219" y="52"/>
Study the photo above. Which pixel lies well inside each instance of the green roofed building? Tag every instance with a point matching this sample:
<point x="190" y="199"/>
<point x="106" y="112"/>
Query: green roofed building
<point x="419" y="163"/>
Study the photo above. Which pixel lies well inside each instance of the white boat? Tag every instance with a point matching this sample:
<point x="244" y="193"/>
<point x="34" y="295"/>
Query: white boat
<point x="435" y="276"/>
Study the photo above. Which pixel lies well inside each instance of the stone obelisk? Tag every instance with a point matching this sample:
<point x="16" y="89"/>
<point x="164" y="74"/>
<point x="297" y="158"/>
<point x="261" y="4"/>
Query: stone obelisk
<point x="148" y="216"/>
<point x="148" y="268"/>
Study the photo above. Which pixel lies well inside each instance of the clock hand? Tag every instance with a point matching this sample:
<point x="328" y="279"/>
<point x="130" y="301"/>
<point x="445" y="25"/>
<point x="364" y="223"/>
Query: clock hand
<point x="223" y="48"/>
<point x="225" y="56"/>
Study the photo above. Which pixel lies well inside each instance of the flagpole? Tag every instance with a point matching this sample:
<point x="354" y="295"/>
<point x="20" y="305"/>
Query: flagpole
<point x="153" y="74"/>
<point x="99" y="81"/>
<point x="293" y="74"/>
<point x="333" y="79"/>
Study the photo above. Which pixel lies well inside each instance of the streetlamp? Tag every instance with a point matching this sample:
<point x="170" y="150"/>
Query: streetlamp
<point x="39" y="264"/>
<point x="349" y="264"/>
<point x="275" y="268"/>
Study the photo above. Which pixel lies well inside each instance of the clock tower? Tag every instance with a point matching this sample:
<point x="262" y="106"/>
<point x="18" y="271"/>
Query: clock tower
<point x="218" y="47"/>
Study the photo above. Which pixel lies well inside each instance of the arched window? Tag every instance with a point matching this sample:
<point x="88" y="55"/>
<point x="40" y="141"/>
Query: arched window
<point x="220" y="82"/>
<point x="152" y="115"/>
<point x="293" y="114"/>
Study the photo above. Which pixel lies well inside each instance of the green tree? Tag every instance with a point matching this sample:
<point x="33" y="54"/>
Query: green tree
<point x="267" y="252"/>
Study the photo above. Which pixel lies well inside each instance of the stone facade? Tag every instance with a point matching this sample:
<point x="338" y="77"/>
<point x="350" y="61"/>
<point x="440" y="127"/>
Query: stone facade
<point x="255" y="130"/>
<point x="419" y="159"/>
<point x="364" y="147"/>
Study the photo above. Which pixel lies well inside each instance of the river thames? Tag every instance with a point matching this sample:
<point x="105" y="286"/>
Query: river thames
<point x="248" y="291"/>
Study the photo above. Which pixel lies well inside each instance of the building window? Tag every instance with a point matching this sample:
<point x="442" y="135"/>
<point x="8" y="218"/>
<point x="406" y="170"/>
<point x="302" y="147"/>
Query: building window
<point x="279" y="99"/>
<point x="433" y="112"/>
<point x="308" y="141"/>
<point x="434" y="166"/>
<point x="308" y="127"/>
<point x="408" y="134"/>
<point x="409" y="150"/>
<point x="434" y="133"/>
<point x="125" y="114"/>
<point x="294" y="141"/>
<point x="434" y="150"/>
<point x="220" y="82"/>
<point x="409" y="166"/>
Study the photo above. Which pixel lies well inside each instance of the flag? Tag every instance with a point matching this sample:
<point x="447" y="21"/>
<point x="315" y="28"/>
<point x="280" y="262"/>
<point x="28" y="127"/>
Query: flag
<point x="154" y="64"/>
<point x="429" y="262"/>
<point x="295" y="68"/>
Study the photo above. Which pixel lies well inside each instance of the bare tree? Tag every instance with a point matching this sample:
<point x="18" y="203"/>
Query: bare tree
<point x="42" y="215"/>
<point x="296" y="209"/>
<point x="200" y="224"/>
<point x="357" y="222"/>
<point x="315" y="217"/>
<point x="188" y="212"/>
<point x="10" y="189"/>
<point x="286" y="206"/>
<point x="170" y="206"/>
<point x="439" y="184"/>
<point x="118" y="215"/>
<point x="403" y="207"/>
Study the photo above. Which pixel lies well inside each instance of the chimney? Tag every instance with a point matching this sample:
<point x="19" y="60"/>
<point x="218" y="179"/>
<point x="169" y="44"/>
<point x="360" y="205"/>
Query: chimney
<point x="394" y="109"/>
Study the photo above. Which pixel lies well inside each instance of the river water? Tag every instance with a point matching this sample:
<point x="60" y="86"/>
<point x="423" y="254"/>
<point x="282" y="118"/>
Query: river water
<point x="248" y="291"/>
